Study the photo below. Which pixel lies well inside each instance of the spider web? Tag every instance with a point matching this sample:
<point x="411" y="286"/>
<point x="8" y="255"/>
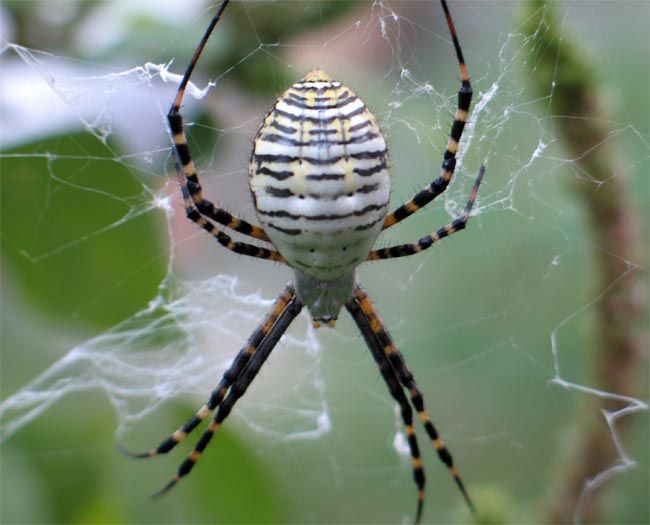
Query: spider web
<point x="528" y="327"/>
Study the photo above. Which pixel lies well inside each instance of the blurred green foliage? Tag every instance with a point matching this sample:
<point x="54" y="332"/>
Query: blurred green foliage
<point x="60" y="200"/>
<point x="479" y="326"/>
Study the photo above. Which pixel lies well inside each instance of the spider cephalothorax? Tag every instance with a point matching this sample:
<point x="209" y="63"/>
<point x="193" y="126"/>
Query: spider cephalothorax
<point x="319" y="177"/>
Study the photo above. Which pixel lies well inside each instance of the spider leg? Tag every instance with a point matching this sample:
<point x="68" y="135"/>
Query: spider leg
<point x="403" y="250"/>
<point x="291" y="308"/>
<point x="228" y="378"/>
<point x="407" y="380"/>
<point x="440" y="184"/>
<point x="192" y="191"/>
<point x="222" y="238"/>
<point x="387" y="372"/>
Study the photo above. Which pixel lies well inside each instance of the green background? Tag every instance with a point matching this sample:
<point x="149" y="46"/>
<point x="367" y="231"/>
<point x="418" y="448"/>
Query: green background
<point x="474" y="317"/>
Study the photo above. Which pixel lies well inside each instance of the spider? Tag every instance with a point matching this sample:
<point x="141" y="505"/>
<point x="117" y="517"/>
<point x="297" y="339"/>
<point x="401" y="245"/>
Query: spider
<point x="319" y="179"/>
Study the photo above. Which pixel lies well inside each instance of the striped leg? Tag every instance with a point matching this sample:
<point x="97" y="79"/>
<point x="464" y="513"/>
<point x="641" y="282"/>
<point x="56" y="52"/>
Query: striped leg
<point x="439" y="185"/>
<point x="192" y="192"/>
<point x="387" y="372"/>
<point x="290" y="310"/>
<point x="407" y="380"/>
<point x="224" y="239"/>
<point x="402" y="250"/>
<point x="229" y="377"/>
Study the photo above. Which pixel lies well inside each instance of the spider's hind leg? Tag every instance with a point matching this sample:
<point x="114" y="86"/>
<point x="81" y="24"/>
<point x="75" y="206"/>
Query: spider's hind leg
<point x="291" y="307"/>
<point x="368" y="330"/>
<point x="229" y="377"/>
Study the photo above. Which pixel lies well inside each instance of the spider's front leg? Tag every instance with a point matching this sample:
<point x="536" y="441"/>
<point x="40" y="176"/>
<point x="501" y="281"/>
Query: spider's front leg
<point x="191" y="186"/>
<point x="233" y="384"/>
<point x="440" y="184"/>
<point x="403" y="250"/>
<point x="197" y="208"/>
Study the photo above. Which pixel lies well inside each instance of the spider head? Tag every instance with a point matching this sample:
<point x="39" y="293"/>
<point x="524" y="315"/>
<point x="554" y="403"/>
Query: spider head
<point x="324" y="299"/>
<point x="316" y="75"/>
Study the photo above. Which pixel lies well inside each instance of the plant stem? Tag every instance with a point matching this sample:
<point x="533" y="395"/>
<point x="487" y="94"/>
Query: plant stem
<point x="559" y="65"/>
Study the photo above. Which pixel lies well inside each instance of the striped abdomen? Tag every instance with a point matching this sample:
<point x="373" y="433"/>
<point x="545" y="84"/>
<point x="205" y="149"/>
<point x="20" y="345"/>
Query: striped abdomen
<point x="319" y="177"/>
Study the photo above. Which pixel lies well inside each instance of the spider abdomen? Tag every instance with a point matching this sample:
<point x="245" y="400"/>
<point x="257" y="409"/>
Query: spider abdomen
<point x="319" y="177"/>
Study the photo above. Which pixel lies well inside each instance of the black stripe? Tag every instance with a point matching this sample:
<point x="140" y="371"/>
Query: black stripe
<point x="345" y="93"/>
<point x="244" y="227"/>
<point x="192" y="214"/>
<point x="458" y="224"/>
<point x="445" y="457"/>
<point x="449" y="164"/>
<point x="465" y="95"/>
<point x="175" y="122"/>
<point x="183" y="153"/>
<point x="248" y="249"/>
<point x="185" y="467"/>
<point x="367" y="188"/>
<point x="423" y="198"/>
<point x="291" y="100"/>
<point x="438" y="186"/>
<point x="360" y="126"/>
<point x="218" y="214"/>
<point x="278" y="175"/>
<point x="224" y="239"/>
<point x="281" y="193"/>
<point x="193" y="188"/>
<point x="284" y="129"/>
<point x="457" y="129"/>
<point x="367" y="172"/>
<point x="288" y="159"/>
<point x="332" y="267"/>
<point x="288" y="141"/>
<point x="288" y="231"/>
<point x="326" y="176"/>
<point x="425" y="242"/>
<point x="322" y="217"/>
<point x="168" y="444"/>
<point x="203" y="440"/>
<point x="364" y="155"/>
<point x="328" y="85"/>
<point x="357" y="139"/>
<point x="405" y="249"/>
<point x="281" y="139"/>
<point x="303" y="264"/>
<point x="319" y="120"/>
<point x="323" y="131"/>
<point x="368" y="225"/>
<point x="401" y="213"/>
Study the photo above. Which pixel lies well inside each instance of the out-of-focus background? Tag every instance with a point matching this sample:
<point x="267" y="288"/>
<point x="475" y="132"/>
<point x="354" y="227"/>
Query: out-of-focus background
<point x="527" y="333"/>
